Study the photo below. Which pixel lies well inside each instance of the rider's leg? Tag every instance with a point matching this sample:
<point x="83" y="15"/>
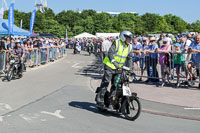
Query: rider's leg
<point x="104" y="84"/>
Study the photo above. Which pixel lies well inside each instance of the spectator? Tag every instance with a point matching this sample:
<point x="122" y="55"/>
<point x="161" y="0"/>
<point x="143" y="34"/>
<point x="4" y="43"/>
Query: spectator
<point x="185" y="43"/>
<point x="153" y="61"/>
<point x="35" y="52"/>
<point x="2" y="56"/>
<point x="169" y="40"/>
<point x="136" y="51"/>
<point x="30" y="48"/>
<point x="195" y="49"/>
<point x="160" y="40"/>
<point x="105" y="48"/>
<point x="144" y="58"/>
<point x="12" y="44"/>
<point x="44" y="51"/>
<point x="164" y="60"/>
<point x="178" y="57"/>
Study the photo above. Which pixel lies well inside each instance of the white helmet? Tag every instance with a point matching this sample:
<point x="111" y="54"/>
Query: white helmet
<point x="124" y="35"/>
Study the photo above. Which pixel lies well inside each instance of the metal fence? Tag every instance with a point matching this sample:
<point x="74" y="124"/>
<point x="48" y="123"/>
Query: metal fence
<point x="34" y="57"/>
<point x="167" y="68"/>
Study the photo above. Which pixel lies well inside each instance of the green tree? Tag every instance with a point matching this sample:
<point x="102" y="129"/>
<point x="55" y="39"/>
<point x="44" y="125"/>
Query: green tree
<point x="196" y="26"/>
<point x="176" y="24"/>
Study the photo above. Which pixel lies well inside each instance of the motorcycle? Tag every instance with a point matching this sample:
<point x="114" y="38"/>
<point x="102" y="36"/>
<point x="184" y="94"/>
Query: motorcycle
<point x="13" y="70"/>
<point x="90" y="50"/>
<point x="120" y="98"/>
<point x="77" y="49"/>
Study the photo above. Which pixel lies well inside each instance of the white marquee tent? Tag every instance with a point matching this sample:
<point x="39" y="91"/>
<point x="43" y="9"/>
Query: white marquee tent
<point x="107" y="35"/>
<point x="86" y="35"/>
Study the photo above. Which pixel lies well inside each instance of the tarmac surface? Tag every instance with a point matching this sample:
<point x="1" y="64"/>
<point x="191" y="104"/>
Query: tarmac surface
<point x="59" y="97"/>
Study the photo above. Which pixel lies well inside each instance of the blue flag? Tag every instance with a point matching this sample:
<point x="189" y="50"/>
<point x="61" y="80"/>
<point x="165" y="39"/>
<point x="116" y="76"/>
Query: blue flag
<point x="32" y="22"/>
<point x="11" y="19"/>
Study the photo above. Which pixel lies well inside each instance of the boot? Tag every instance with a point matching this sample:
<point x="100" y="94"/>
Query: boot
<point x="100" y="97"/>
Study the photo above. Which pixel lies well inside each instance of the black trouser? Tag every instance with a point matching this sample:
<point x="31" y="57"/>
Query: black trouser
<point x="153" y="65"/>
<point x="147" y="65"/>
<point x="109" y="75"/>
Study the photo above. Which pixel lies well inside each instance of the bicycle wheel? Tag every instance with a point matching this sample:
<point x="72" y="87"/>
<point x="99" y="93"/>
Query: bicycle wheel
<point x="131" y="108"/>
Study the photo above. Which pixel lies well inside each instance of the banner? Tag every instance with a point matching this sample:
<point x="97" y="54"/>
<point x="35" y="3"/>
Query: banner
<point x="66" y="34"/>
<point x="32" y="22"/>
<point x="11" y="19"/>
<point x="1" y="13"/>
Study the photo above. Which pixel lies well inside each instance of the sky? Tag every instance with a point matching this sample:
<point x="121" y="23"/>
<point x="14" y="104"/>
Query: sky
<point x="188" y="10"/>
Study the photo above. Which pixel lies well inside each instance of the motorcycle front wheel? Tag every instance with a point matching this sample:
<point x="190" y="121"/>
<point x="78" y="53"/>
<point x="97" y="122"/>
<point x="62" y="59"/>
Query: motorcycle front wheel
<point x="10" y="73"/>
<point x="131" y="108"/>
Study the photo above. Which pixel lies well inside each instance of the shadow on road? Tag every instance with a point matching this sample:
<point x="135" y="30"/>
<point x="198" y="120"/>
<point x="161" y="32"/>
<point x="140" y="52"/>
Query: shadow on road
<point x="93" y="70"/>
<point x="92" y="108"/>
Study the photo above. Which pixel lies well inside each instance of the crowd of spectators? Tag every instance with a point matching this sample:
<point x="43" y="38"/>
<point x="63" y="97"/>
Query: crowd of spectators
<point x="38" y="51"/>
<point x="177" y="56"/>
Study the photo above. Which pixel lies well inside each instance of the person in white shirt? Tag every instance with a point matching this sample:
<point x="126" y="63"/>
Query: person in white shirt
<point x="185" y="43"/>
<point x="169" y="39"/>
<point x="106" y="44"/>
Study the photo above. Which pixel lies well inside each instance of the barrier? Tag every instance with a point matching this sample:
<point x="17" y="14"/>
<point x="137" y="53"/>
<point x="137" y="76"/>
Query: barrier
<point x="33" y="57"/>
<point x="165" y="69"/>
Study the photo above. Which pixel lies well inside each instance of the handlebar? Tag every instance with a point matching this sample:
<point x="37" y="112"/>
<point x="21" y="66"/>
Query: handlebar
<point x="15" y="56"/>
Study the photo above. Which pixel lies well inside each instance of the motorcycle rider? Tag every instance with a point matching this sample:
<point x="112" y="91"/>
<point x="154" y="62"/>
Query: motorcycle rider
<point x="90" y="45"/>
<point x="20" y="52"/>
<point x="119" y="54"/>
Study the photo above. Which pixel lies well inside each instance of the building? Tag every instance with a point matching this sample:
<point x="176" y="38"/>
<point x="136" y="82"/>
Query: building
<point x="116" y="13"/>
<point x="111" y="13"/>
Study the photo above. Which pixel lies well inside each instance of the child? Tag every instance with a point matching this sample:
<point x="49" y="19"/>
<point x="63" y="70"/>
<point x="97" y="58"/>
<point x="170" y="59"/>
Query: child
<point x="178" y="57"/>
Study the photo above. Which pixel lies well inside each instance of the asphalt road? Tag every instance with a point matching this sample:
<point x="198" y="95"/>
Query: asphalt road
<point x="57" y="98"/>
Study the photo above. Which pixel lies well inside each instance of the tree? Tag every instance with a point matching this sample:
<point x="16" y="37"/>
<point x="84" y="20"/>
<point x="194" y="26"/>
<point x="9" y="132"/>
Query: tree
<point x="154" y="23"/>
<point x="90" y="21"/>
<point x="196" y="26"/>
<point x="103" y="22"/>
<point x="78" y="30"/>
<point x="126" y="21"/>
<point x="176" y="24"/>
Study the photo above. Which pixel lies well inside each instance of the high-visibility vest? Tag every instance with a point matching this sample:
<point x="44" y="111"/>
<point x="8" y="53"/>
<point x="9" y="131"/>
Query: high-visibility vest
<point x="120" y="55"/>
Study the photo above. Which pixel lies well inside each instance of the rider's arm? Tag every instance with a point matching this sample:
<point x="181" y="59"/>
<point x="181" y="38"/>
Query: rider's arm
<point x="129" y="61"/>
<point x="111" y="52"/>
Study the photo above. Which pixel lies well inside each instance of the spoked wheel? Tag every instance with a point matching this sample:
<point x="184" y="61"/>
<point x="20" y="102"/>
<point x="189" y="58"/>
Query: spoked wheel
<point x="10" y="74"/>
<point x="131" y="108"/>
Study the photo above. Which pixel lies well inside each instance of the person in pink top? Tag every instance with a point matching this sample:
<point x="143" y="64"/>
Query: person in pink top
<point x="164" y="60"/>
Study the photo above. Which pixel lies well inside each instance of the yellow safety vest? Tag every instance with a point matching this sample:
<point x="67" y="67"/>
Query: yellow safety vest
<point x="120" y="55"/>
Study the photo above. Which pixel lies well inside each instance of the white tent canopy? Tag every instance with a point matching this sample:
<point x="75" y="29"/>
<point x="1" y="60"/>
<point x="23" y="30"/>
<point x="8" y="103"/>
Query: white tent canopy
<point x="107" y="35"/>
<point x="86" y="35"/>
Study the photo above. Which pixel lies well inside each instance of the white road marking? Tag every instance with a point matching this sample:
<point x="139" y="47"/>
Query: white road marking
<point x="56" y="114"/>
<point x="25" y="117"/>
<point x="192" y="108"/>
<point x="1" y="118"/>
<point x="76" y="65"/>
<point x="28" y="119"/>
<point x="43" y="120"/>
<point x="5" y="107"/>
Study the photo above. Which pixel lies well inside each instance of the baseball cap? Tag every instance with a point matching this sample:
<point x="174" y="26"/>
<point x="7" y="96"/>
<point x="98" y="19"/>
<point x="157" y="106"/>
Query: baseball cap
<point x="177" y="45"/>
<point x="152" y="39"/>
<point x="17" y="41"/>
<point x="165" y="40"/>
<point x="144" y="39"/>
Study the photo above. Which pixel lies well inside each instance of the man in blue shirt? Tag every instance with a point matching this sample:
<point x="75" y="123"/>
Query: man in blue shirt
<point x="136" y="46"/>
<point x="153" y="60"/>
<point x="195" y="50"/>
